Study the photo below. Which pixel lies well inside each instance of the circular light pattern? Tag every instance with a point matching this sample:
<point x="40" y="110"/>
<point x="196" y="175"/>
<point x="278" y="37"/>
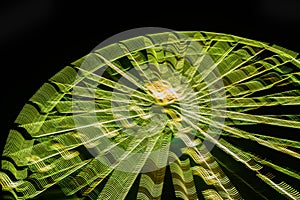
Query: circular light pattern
<point x="166" y="115"/>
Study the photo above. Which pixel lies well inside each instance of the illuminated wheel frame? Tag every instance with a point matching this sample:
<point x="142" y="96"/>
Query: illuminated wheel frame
<point x="189" y="115"/>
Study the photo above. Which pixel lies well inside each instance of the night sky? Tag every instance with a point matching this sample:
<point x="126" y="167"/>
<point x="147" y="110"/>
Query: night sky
<point x="38" y="38"/>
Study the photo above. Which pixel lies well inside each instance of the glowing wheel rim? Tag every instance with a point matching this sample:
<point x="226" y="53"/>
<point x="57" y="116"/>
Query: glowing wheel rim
<point x="84" y="129"/>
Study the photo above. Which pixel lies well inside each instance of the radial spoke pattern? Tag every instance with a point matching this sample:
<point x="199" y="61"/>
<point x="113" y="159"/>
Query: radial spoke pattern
<point x="174" y="115"/>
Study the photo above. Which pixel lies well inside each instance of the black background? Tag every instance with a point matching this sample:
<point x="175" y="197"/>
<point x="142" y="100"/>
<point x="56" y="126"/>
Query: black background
<point x="38" y="38"/>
